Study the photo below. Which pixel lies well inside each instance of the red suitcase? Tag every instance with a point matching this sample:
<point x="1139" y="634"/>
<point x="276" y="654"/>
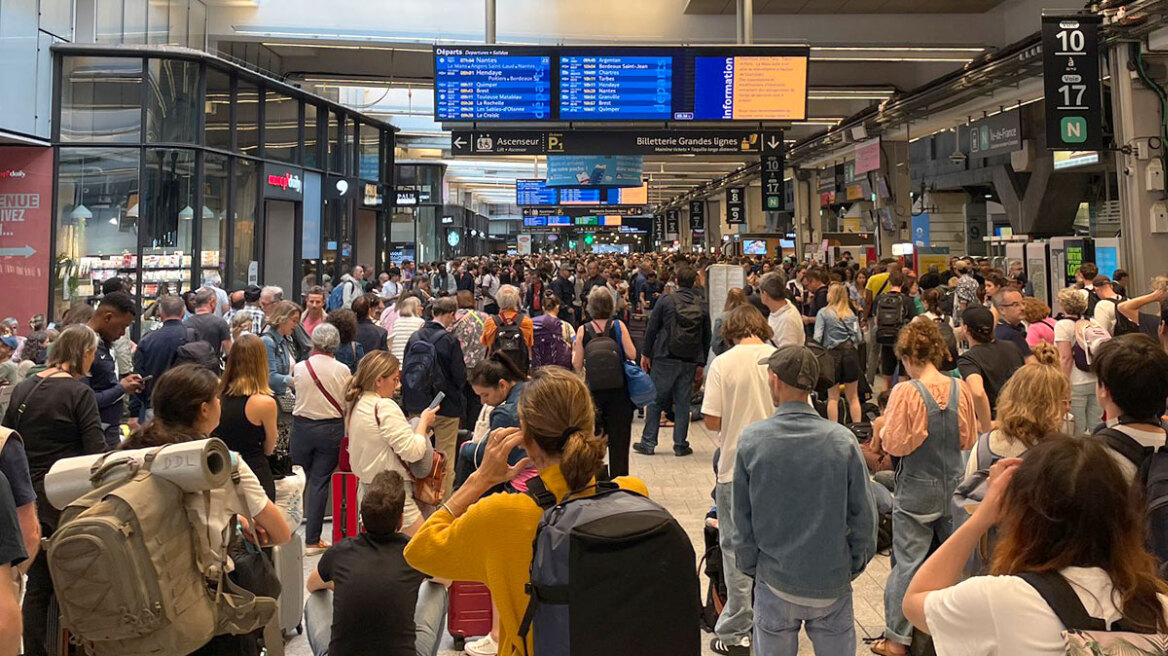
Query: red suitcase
<point x="345" y="506"/>
<point x="470" y="612"/>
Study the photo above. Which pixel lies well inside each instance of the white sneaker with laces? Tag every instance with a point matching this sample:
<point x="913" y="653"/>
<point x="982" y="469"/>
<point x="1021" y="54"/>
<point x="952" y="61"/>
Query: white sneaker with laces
<point x="485" y="646"/>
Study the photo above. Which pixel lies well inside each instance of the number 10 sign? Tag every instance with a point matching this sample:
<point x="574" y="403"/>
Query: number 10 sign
<point x="1070" y="70"/>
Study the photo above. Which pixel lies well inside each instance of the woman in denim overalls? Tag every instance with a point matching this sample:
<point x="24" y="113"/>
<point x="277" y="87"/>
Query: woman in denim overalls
<point x="929" y="466"/>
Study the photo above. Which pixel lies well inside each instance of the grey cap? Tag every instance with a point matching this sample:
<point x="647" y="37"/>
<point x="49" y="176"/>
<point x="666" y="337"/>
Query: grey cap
<point x="795" y="365"/>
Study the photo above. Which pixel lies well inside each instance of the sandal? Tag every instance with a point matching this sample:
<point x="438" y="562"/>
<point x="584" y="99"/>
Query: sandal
<point x="665" y="423"/>
<point x="881" y="647"/>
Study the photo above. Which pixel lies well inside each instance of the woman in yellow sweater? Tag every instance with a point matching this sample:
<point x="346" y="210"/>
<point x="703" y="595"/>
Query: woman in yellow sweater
<point x="489" y="539"/>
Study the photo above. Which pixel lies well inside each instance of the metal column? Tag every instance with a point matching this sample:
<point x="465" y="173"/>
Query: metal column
<point x="745" y="22"/>
<point x="490" y="28"/>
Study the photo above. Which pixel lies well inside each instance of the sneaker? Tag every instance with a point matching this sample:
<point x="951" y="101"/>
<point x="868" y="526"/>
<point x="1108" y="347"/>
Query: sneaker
<point x="719" y="647"/>
<point x="680" y="451"/>
<point x="316" y="549"/>
<point x="482" y="647"/>
<point x="640" y="448"/>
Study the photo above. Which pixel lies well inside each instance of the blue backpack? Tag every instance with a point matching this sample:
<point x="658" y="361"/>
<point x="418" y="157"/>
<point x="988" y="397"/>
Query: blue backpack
<point x="336" y="298"/>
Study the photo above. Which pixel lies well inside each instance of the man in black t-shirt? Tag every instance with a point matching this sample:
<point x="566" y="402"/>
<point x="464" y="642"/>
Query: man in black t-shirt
<point x="365" y="598"/>
<point x="987" y="365"/>
<point x="208" y="325"/>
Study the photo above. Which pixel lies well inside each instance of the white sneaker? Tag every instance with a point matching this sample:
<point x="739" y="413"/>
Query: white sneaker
<point x="482" y="647"/>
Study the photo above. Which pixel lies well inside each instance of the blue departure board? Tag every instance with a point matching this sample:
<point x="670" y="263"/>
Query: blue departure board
<point x="617" y="87"/>
<point x="535" y="193"/>
<point x="584" y="196"/>
<point x="472" y="84"/>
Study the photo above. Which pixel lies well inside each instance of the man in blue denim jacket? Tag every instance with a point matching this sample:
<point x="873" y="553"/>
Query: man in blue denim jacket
<point x="805" y="516"/>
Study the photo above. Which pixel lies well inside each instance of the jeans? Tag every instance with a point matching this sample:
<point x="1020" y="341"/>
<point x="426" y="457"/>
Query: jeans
<point x="674" y="381"/>
<point x="315" y="445"/>
<point x="1085" y="407"/>
<point x="737" y="618"/>
<point x="832" y="629"/>
<point x="429" y="619"/>
<point x="913" y="537"/>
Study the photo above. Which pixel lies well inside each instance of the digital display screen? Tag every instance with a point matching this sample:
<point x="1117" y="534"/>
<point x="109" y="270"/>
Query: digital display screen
<point x="484" y="84"/>
<point x="559" y="221"/>
<point x="535" y="193"/>
<point x="620" y="83"/>
<point x="754" y="247"/>
<point x="535" y="221"/>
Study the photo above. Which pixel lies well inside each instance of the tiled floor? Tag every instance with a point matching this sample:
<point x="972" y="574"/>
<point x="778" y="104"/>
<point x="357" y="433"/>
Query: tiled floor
<point x="683" y="485"/>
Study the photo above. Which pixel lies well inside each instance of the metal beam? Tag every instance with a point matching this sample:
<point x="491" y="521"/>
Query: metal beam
<point x="490" y="31"/>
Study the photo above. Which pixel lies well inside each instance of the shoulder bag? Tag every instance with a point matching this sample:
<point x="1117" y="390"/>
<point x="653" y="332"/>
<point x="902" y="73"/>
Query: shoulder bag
<point x="642" y="391"/>
<point x="428" y="488"/>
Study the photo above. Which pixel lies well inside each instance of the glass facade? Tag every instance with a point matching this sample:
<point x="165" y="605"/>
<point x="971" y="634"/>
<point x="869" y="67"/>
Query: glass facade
<point x="159" y="22"/>
<point x="169" y="188"/>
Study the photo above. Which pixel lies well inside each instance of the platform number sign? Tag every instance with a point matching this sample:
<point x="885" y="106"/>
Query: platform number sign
<point x="735" y="205"/>
<point x="1070" y="69"/>
<point x="672" y="224"/>
<point x="697" y="216"/>
<point x="772" y="183"/>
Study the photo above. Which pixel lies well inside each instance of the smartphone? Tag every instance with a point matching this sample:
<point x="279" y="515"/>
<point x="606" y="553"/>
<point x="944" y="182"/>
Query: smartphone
<point x="437" y="400"/>
<point x="146" y="379"/>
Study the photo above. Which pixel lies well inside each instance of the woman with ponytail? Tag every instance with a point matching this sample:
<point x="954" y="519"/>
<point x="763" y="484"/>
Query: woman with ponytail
<point x="488" y="539"/>
<point x="380" y="438"/>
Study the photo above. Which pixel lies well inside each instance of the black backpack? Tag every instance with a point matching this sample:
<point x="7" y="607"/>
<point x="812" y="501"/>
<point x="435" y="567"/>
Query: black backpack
<point x="711" y="564"/>
<point x="685" y="335"/>
<point x="421" y="375"/>
<point x="196" y="351"/>
<point x="509" y="340"/>
<point x="603" y="368"/>
<point x="891" y="315"/>
<point x="1152" y="478"/>
<point x="826" y="367"/>
<point x="1123" y="325"/>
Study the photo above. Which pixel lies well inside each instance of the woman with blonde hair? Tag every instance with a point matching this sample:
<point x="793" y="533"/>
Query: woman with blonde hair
<point x="249" y="416"/>
<point x="488" y="539"/>
<point x="1031" y="407"/>
<point x="735" y="297"/>
<point x="380" y="438"/>
<point x="409" y="320"/>
<point x="838" y="329"/>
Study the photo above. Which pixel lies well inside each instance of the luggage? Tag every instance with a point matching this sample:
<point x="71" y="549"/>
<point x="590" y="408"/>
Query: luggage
<point x="470" y="613"/>
<point x="346" y="510"/>
<point x="288" y="559"/>
<point x="711" y="564"/>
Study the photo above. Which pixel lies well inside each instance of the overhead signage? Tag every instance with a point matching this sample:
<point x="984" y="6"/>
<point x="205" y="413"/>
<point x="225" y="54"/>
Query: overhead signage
<point x="583" y="210"/>
<point x="867" y="157"/>
<point x="594" y="171"/>
<point x="697" y="216"/>
<point x="772" y="182"/>
<point x="672" y="224"/>
<point x="771" y="143"/>
<point x="1073" y="91"/>
<point x="371" y="195"/>
<point x="535" y="193"/>
<point x="607" y="142"/>
<point x="620" y="83"/>
<point x="338" y="188"/>
<point x="405" y="197"/>
<point x="447" y="220"/>
<point x="1000" y="134"/>
<point x="736" y="205"/>
<point x="659" y="227"/>
<point x="283" y="182"/>
<point x="26" y="206"/>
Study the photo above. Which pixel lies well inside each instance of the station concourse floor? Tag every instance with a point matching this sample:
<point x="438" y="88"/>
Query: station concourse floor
<point x="683" y="486"/>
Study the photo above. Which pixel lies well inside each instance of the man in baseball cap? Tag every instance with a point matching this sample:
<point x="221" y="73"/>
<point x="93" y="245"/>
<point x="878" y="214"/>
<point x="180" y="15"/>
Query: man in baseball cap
<point x="800" y="483"/>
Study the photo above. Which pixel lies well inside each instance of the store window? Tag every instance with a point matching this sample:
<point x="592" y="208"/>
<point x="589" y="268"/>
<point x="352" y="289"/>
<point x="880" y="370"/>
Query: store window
<point x="109" y="19"/>
<point x="247" y="118"/>
<point x="281" y="127"/>
<point x="172" y="101"/>
<point x="370" y="151"/>
<point x="335" y="156"/>
<point x="168" y="214"/>
<point x="311" y="141"/>
<point x="244" y="205"/>
<point x="101" y="99"/>
<point x="98" y="208"/>
<point x="216" y="172"/>
<point x="217" y="110"/>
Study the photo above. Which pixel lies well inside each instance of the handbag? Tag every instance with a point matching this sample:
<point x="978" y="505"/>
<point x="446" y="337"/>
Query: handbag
<point x="427" y="489"/>
<point x="343" y="463"/>
<point x="286" y="401"/>
<point x="254" y="570"/>
<point x="642" y="391"/>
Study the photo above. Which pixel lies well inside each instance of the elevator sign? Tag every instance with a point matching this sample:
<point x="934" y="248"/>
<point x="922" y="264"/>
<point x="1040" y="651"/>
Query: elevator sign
<point x="1070" y="70"/>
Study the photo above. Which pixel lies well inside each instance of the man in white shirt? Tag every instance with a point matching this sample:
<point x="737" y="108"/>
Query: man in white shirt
<point x="784" y="320"/>
<point x="1105" y="307"/>
<point x="390" y="286"/>
<point x="737" y="394"/>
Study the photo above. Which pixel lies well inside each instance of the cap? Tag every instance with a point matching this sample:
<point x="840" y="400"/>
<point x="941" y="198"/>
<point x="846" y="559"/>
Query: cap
<point x="1101" y="281"/>
<point x="795" y="365"/>
<point x="978" y="320"/>
<point x="251" y="293"/>
<point x="10" y="342"/>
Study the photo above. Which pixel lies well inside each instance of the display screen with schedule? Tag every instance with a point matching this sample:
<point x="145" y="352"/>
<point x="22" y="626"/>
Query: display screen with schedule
<point x="620" y="83"/>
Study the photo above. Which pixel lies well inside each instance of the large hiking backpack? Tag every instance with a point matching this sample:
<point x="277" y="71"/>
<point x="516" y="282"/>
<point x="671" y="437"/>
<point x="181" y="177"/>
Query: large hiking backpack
<point x="685" y="335"/>
<point x="891" y="315"/>
<point x="197" y="351"/>
<point x="420" y="371"/>
<point x="509" y="340"/>
<point x="549" y="347"/>
<point x="1152" y="478"/>
<point x="603" y="368"/>
<point x="1089" y="337"/>
<point x="134" y="577"/>
<point x="611" y="573"/>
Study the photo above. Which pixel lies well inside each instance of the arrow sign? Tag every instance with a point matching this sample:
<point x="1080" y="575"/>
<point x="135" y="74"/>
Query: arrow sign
<point x="772" y="143"/>
<point x="26" y="251"/>
<point x="459" y="142"/>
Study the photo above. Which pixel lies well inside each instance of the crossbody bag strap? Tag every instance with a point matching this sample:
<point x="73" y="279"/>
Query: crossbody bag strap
<point x="24" y="402"/>
<point x="319" y="386"/>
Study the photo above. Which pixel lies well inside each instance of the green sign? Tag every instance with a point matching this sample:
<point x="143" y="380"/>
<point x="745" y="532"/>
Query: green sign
<point x="1073" y="129"/>
<point x="588" y="239"/>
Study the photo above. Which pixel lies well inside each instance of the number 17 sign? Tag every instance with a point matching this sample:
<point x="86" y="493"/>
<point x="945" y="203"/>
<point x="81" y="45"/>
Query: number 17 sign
<point x="1070" y="70"/>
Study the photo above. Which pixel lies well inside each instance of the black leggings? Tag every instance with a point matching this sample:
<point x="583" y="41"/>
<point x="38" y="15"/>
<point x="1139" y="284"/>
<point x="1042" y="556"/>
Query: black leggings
<point x="37" y="598"/>
<point x="614" y="419"/>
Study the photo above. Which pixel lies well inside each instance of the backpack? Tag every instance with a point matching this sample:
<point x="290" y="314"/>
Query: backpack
<point x="509" y="341"/>
<point x="469" y="331"/>
<point x="135" y="575"/>
<point x="611" y="573"/>
<point x="1085" y="634"/>
<point x="1089" y="336"/>
<point x="1152" y="478"/>
<point x="891" y="315"/>
<point x="1123" y="325"/>
<point x="950" y="338"/>
<point x="947" y="300"/>
<point x="826" y="367"/>
<point x="421" y="374"/>
<point x="336" y="298"/>
<point x="603" y="368"/>
<point x="549" y="347"/>
<point x="712" y="566"/>
<point x="196" y="351"/>
<point x="685" y="335"/>
<point x="971" y="492"/>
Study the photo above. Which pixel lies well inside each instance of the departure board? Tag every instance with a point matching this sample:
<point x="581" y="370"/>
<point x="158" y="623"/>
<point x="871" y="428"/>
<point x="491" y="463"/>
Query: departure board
<point x="473" y="84"/>
<point x="535" y="193"/>
<point x="617" y="87"/>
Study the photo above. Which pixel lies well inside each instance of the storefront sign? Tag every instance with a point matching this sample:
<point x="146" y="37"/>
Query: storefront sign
<point x="405" y="198"/>
<point x="283" y="182"/>
<point x="606" y="142"/>
<point x="867" y="156"/>
<point x="736" y="205"/>
<point x="372" y="196"/>
<point x="1073" y="90"/>
<point x="447" y="220"/>
<point x="999" y="134"/>
<point x="697" y="216"/>
<point x="26" y="203"/>
<point x="337" y="188"/>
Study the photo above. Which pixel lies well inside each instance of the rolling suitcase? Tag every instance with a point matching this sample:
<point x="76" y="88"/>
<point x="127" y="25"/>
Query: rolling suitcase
<point x="345" y="506"/>
<point x="288" y="560"/>
<point x="470" y="612"/>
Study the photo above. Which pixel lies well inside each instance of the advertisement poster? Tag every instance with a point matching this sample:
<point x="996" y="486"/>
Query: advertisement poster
<point x="594" y="171"/>
<point x="523" y="244"/>
<point x="26" y="205"/>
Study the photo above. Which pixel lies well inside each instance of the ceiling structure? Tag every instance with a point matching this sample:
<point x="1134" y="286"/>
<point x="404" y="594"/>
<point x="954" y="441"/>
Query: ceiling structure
<point x="730" y="7"/>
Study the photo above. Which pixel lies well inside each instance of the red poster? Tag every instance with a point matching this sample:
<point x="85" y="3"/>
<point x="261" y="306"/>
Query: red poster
<point x="26" y="206"/>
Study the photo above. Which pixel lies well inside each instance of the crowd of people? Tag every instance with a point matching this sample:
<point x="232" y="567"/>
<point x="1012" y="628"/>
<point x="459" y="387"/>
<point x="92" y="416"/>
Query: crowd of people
<point x="867" y="398"/>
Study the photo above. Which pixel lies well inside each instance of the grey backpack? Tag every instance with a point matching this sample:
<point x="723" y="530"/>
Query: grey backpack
<point x="134" y="578"/>
<point x="611" y="573"/>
